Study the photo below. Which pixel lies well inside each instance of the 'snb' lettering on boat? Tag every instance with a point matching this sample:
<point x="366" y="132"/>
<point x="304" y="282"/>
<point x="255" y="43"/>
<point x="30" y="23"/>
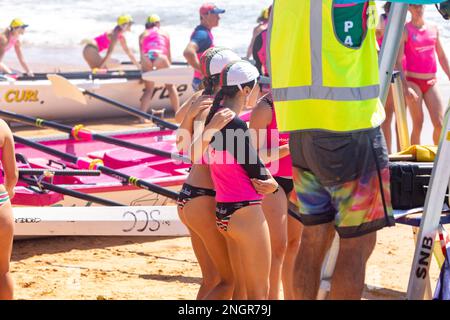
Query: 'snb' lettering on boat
<point x="425" y="256"/>
<point x="15" y="95"/>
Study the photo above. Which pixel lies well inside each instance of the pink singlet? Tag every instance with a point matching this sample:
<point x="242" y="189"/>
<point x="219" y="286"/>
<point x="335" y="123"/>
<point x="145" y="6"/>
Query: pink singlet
<point x="103" y="41"/>
<point x="155" y="41"/>
<point x="281" y="167"/>
<point x="420" y="49"/>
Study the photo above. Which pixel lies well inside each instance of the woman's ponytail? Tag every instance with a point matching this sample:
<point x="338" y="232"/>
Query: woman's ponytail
<point x="215" y="107"/>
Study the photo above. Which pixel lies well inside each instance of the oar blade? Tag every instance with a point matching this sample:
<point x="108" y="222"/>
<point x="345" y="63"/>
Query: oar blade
<point x="175" y="76"/>
<point x="64" y="89"/>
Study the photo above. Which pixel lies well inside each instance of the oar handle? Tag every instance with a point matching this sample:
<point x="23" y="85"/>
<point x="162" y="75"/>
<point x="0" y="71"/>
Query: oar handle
<point x="132" y="111"/>
<point x="71" y="193"/>
<point x="40" y="123"/>
<point x="60" y="173"/>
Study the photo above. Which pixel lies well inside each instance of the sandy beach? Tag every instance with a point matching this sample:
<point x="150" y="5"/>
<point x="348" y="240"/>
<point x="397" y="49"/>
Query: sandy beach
<point x="98" y="268"/>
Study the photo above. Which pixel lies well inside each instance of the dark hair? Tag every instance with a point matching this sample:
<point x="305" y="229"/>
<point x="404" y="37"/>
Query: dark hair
<point x="209" y="83"/>
<point x="149" y="25"/>
<point x="226" y="91"/>
<point x="387" y="6"/>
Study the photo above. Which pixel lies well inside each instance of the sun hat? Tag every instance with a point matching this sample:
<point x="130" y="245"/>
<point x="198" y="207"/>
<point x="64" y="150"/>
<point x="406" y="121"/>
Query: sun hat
<point x="154" y="18"/>
<point x="18" y="23"/>
<point x="215" y="59"/>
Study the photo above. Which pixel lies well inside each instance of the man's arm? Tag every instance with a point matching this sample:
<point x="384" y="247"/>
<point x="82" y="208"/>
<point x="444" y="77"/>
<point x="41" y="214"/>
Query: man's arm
<point x="190" y="53"/>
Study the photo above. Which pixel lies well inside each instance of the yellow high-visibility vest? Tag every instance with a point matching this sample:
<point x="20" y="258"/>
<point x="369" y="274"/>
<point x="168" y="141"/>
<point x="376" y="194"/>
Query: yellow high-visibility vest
<point x="319" y="83"/>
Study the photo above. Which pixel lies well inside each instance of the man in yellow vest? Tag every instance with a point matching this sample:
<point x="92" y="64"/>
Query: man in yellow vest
<point x="325" y="83"/>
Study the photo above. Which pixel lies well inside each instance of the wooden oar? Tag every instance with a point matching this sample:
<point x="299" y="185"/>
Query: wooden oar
<point x="80" y="133"/>
<point x="91" y="164"/>
<point x="63" y="88"/>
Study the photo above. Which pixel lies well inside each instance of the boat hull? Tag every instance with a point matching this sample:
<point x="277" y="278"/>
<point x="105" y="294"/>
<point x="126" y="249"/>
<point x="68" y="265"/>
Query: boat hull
<point x="37" y="98"/>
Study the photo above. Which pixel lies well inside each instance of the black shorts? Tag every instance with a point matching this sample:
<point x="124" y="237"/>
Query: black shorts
<point x="287" y="184"/>
<point x="189" y="192"/>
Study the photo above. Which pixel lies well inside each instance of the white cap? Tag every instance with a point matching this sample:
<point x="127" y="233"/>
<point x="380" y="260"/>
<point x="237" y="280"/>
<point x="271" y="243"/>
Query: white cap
<point x="215" y="59"/>
<point x="237" y="73"/>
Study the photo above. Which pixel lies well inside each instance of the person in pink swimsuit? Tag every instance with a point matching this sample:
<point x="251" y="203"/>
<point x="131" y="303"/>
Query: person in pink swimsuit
<point x="7" y="183"/>
<point x="285" y="229"/>
<point x="422" y="48"/>
<point x="107" y="42"/>
<point x="263" y="21"/>
<point x="240" y="178"/>
<point x="10" y="39"/>
<point x="154" y="45"/>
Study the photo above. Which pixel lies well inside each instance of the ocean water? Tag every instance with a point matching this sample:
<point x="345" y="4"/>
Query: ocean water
<point x="57" y="27"/>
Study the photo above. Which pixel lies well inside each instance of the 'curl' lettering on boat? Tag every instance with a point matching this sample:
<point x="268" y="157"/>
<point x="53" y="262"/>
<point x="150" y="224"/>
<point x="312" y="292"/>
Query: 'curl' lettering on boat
<point x="14" y="95"/>
<point x="28" y="220"/>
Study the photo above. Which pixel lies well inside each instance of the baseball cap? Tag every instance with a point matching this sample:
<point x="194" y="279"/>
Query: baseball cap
<point x="215" y="59"/>
<point x="18" y="23"/>
<point x="154" y="18"/>
<point x="124" y="19"/>
<point x="210" y="8"/>
<point x="237" y="73"/>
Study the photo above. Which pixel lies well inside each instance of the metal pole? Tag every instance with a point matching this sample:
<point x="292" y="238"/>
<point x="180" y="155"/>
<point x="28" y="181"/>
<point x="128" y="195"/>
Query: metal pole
<point x="400" y="112"/>
<point x="391" y="46"/>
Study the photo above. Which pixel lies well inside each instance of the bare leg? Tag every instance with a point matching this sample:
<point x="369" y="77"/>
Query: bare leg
<point x="92" y="57"/>
<point x="203" y="223"/>
<point x="240" y="289"/>
<point x="387" y="124"/>
<point x="435" y="107"/>
<point x="353" y="256"/>
<point x="210" y="276"/>
<point x="295" y="229"/>
<point x="146" y="99"/>
<point x="173" y="95"/>
<point x="275" y="211"/>
<point x="249" y="229"/>
<point x="416" y="111"/>
<point x="315" y="243"/>
<point x="6" y="243"/>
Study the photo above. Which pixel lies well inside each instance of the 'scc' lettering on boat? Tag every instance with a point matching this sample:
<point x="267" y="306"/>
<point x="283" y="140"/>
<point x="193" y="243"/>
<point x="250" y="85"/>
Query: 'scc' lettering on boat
<point x="147" y="219"/>
<point x="18" y="96"/>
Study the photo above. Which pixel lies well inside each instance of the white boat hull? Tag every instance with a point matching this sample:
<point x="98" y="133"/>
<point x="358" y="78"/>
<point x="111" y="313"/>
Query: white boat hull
<point x="37" y="98"/>
<point x="94" y="221"/>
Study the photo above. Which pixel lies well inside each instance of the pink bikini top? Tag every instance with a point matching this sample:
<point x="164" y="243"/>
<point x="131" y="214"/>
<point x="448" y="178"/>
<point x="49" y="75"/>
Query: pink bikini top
<point x="103" y="41"/>
<point x="11" y="43"/>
